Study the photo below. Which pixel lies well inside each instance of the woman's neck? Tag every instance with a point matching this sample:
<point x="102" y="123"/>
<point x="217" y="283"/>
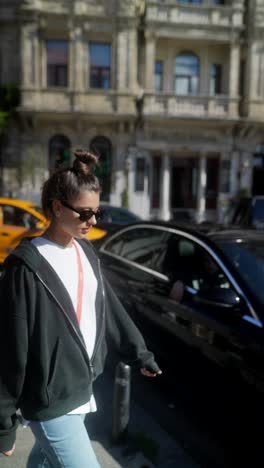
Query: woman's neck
<point x="54" y="234"/>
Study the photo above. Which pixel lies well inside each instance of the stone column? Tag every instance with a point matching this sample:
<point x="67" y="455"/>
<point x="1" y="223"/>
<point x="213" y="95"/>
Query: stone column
<point x="223" y="201"/>
<point x="252" y="71"/>
<point x="204" y="74"/>
<point x="77" y="60"/>
<point x="165" y="188"/>
<point x="234" y="176"/>
<point x="201" y="192"/>
<point x="121" y="56"/>
<point x="28" y="55"/>
<point x="246" y="172"/>
<point x="234" y="69"/>
<point x="150" y="55"/>
<point x="133" y="61"/>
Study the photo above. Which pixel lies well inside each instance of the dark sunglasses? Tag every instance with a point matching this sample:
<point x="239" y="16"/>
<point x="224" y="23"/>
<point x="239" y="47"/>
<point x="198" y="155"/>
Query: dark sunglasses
<point x="84" y="215"/>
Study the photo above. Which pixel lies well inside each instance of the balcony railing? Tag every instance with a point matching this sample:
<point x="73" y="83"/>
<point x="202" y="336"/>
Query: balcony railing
<point x="90" y="102"/>
<point x="200" y="15"/>
<point x="168" y="105"/>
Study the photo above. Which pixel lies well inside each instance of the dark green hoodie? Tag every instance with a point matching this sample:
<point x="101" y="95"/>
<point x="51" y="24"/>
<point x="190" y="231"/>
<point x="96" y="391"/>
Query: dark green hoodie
<point x="44" y="366"/>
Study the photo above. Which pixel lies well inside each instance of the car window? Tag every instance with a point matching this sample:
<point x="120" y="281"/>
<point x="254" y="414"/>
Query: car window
<point x="187" y="261"/>
<point x="140" y="245"/>
<point x="248" y="258"/>
<point x="14" y="216"/>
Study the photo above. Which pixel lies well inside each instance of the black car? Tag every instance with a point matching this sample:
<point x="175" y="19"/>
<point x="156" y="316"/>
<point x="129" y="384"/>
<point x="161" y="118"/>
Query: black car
<point x="246" y="212"/>
<point x="116" y="215"/>
<point x="193" y="294"/>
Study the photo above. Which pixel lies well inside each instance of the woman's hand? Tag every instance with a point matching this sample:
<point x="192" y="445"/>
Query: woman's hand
<point x="147" y="373"/>
<point x="10" y="452"/>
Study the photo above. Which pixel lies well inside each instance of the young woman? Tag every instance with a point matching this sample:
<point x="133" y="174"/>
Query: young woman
<point x="56" y="310"/>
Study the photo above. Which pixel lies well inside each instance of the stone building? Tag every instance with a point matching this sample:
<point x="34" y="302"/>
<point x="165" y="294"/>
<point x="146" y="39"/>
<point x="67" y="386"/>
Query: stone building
<point x="170" y="93"/>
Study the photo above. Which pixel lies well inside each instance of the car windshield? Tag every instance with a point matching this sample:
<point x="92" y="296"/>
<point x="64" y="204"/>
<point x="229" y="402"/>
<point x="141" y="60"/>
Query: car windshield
<point x="248" y="258"/>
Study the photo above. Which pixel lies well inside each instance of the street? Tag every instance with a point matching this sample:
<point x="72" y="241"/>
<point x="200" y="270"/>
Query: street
<point x="190" y="426"/>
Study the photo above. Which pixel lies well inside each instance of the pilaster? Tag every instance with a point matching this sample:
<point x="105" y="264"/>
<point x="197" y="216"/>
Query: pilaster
<point x="150" y="54"/>
<point x="122" y="65"/>
<point x="234" y="70"/>
<point x="165" y="188"/>
<point x="201" y="192"/>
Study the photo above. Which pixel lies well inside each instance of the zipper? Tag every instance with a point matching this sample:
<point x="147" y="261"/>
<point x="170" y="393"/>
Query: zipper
<point x="103" y="317"/>
<point x="72" y="325"/>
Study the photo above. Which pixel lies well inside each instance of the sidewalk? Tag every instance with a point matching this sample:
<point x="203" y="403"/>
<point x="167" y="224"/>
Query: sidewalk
<point x="146" y="441"/>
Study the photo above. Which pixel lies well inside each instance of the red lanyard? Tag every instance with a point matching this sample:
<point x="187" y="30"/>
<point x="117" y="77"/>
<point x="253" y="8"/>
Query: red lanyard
<point x="80" y="284"/>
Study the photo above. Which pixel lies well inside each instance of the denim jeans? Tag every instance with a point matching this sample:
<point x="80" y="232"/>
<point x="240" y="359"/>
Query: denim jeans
<point x="62" y="443"/>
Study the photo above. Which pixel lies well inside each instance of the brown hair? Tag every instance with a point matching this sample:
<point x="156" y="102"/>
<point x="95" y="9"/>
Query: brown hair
<point x="67" y="184"/>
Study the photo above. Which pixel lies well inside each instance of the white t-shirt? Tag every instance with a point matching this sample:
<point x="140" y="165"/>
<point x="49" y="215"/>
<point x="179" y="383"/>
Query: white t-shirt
<point x="64" y="261"/>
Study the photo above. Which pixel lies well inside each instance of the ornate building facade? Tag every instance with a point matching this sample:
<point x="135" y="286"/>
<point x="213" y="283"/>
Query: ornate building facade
<point x="169" y="93"/>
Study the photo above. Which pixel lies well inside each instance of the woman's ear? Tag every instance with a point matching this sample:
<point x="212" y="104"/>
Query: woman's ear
<point x="56" y="208"/>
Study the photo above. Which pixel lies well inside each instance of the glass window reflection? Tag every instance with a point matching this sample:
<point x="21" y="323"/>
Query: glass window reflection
<point x="187" y="70"/>
<point x="57" y="63"/>
<point x="100" y="65"/>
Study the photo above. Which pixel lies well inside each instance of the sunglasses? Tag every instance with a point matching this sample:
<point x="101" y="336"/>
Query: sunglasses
<point x="84" y="215"/>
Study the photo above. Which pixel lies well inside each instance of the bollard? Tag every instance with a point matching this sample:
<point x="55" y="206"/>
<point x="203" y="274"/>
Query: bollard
<point x="121" y="401"/>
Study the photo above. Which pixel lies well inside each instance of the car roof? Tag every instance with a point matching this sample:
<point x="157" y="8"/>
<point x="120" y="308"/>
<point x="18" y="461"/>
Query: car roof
<point x="17" y="202"/>
<point x="207" y="232"/>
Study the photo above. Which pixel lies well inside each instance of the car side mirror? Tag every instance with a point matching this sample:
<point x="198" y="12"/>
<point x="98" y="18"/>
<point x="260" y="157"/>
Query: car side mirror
<point x="220" y="298"/>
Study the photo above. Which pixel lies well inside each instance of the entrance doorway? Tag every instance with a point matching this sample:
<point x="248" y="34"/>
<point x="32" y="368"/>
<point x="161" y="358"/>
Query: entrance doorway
<point x="258" y="171"/>
<point x="184" y="179"/>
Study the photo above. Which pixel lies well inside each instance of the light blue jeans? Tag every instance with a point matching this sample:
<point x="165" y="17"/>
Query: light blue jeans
<point x="62" y="443"/>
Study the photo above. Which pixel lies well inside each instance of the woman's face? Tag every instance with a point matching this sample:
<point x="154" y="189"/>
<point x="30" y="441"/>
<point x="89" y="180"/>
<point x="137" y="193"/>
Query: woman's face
<point x="69" y="221"/>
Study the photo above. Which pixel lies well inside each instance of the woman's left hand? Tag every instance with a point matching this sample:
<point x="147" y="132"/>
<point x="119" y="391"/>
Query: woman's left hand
<point x="147" y="373"/>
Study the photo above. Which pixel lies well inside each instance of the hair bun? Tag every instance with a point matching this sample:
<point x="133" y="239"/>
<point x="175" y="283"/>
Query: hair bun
<point x="84" y="162"/>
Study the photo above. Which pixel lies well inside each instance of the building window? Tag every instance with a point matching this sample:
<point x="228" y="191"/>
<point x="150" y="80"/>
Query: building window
<point x="187" y="70"/>
<point x="59" y="152"/>
<point x="57" y="63"/>
<point x="100" y="65"/>
<point x="102" y="147"/>
<point x="215" y="79"/>
<point x="158" y="75"/>
<point x="140" y="175"/>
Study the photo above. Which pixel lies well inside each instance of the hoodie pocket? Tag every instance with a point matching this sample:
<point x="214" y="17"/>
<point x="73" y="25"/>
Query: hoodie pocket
<point x="54" y="369"/>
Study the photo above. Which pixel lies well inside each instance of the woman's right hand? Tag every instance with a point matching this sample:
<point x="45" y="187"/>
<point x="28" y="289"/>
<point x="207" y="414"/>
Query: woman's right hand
<point x="10" y="452"/>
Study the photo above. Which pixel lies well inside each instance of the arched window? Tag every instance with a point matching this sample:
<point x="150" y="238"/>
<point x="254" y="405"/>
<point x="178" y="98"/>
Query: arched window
<point x="102" y="147"/>
<point x="187" y="70"/>
<point x="59" y="152"/>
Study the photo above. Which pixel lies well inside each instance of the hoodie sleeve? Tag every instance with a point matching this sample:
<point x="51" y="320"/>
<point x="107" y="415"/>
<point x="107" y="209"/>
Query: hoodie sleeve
<point x="125" y="335"/>
<point x="14" y="294"/>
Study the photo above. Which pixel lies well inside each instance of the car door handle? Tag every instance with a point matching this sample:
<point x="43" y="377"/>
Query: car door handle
<point x="5" y="234"/>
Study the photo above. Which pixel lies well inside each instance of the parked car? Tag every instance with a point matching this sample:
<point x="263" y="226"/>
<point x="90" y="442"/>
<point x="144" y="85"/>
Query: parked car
<point x="16" y="218"/>
<point x="247" y="212"/>
<point x="20" y="218"/>
<point x="193" y="294"/>
<point x="114" y="215"/>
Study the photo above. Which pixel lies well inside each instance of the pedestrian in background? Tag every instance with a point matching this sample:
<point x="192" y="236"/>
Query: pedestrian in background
<point x="56" y="311"/>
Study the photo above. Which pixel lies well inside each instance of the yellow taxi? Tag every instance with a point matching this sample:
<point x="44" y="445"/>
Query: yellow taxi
<point x="20" y="218"/>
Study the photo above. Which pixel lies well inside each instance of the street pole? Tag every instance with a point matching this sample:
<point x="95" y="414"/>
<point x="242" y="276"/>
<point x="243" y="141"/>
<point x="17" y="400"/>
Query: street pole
<point x="121" y="402"/>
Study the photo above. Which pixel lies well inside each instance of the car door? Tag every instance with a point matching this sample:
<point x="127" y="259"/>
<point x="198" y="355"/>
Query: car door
<point x="143" y="265"/>
<point x="232" y="338"/>
<point x="129" y="260"/>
